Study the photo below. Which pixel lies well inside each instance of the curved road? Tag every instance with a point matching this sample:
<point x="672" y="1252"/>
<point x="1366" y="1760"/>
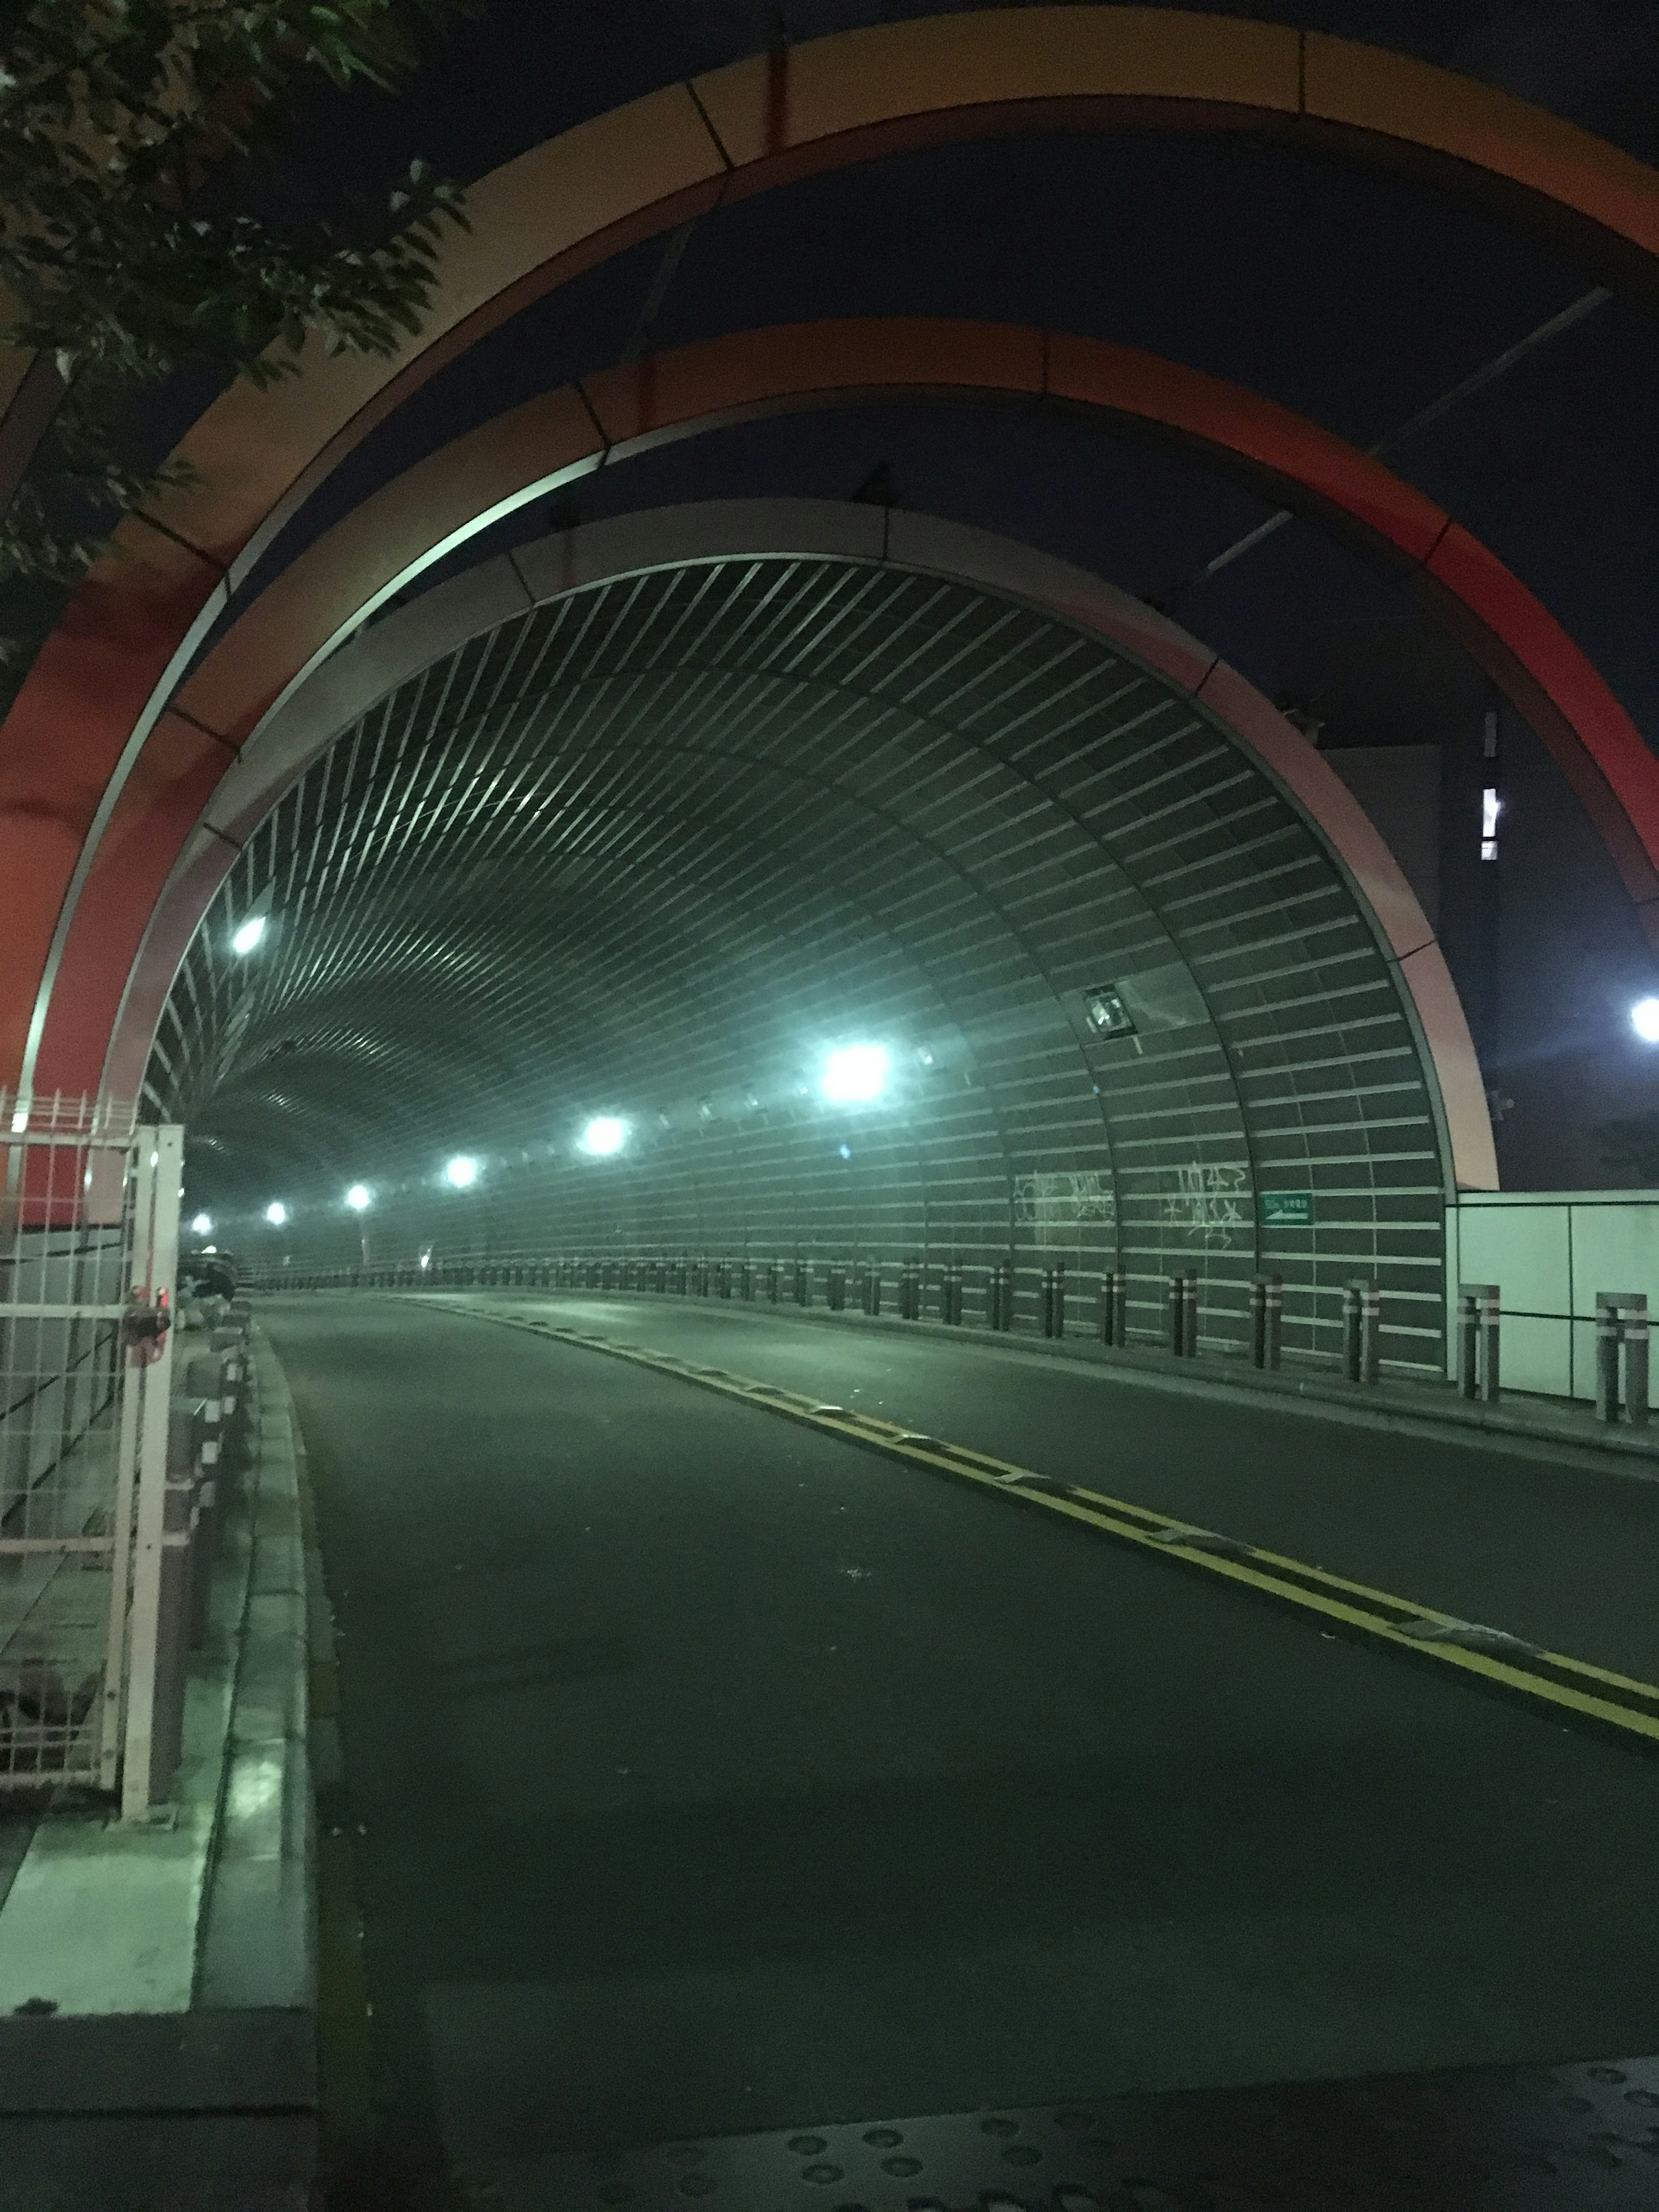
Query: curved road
<point x="716" y="1775"/>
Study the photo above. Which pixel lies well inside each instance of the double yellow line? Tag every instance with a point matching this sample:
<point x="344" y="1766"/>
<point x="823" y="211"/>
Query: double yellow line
<point x="1579" y="1693"/>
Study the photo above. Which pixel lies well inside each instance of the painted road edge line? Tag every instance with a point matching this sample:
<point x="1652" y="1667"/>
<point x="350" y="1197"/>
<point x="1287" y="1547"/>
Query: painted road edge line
<point x="1577" y="1692"/>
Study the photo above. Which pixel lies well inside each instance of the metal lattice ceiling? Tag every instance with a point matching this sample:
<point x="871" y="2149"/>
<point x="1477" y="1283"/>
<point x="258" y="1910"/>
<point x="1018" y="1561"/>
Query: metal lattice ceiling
<point x="653" y="846"/>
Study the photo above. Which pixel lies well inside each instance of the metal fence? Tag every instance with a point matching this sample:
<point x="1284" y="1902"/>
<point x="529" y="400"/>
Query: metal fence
<point x="88" y="1245"/>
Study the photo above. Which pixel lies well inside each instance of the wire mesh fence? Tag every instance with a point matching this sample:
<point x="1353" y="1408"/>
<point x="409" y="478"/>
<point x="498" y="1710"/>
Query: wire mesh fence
<point x="77" y="1214"/>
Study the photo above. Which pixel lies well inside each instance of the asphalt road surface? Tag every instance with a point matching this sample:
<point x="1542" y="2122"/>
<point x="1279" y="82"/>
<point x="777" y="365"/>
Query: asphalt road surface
<point x="716" y="1775"/>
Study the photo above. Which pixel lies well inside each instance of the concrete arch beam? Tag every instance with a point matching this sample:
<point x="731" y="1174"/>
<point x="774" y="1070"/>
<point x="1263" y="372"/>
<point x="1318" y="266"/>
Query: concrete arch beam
<point x="346" y="684"/>
<point x="82" y="717"/>
<point x="332" y="588"/>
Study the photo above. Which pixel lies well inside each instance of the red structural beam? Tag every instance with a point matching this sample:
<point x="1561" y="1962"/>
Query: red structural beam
<point x="81" y="724"/>
<point x="566" y="432"/>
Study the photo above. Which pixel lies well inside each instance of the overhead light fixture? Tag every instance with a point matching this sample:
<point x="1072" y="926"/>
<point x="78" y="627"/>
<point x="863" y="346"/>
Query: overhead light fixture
<point x="203" y="1225"/>
<point x="360" y="1198"/>
<point x="1645" y="1020"/>
<point x="605" y="1135"/>
<point x="1105" y="1012"/>
<point x="462" y="1172"/>
<point x="244" y="939"/>
<point x="275" y="1213"/>
<point x="855" y="1075"/>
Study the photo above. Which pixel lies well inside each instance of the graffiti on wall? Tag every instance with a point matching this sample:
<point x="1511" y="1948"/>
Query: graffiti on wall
<point x="1210" y="1204"/>
<point x="1056" y="1205"/>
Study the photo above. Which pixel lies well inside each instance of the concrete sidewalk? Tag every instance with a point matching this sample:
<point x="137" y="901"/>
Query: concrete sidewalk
<point x="158" y="1981"/>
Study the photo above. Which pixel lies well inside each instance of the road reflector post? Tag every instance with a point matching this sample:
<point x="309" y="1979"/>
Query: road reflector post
<point x="1267" y="1320"/>
<point x="1636" y="1365"/>
<point x="999" y="1297"/>
<point x="803" y="1283"/>
<point x="951" y="1297"/>
<point x="1053" y="1300"/>
<point x="836" y="1290"/>
<point x="1119" y="1309"/>
<point x="1606" y="1360"/>
<point x="1174" y="1324"/>
<point x="1371" y="1332"/>
<point x="1621" y="1318"/>
<point x="1189" y="1315"/>
<point x="1480" y="1373"/>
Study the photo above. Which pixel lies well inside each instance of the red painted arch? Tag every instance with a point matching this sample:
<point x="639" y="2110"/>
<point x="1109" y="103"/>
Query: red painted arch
<point x="567" y="432"/>
<point x="80" y="724"/>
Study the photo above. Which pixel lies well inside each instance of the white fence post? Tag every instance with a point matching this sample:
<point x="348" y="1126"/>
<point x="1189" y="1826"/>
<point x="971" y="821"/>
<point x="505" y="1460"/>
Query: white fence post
<point x="166" y="1161"/>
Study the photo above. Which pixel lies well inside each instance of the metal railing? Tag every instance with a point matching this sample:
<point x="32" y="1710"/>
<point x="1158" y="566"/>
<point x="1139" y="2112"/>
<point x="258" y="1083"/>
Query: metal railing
<point x="88" y="1245"/>
<point x="1181" y="1314"/>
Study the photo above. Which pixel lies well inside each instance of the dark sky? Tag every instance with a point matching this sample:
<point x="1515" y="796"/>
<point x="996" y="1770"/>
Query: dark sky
<point x="1349" y="294"/>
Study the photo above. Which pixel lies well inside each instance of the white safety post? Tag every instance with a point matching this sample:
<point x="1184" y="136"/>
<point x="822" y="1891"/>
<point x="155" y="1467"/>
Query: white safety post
<point x="167" y="1157"/>
<point x="138" y="1213"/>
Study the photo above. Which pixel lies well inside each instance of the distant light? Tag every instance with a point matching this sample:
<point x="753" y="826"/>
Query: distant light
<point x="206" y="1249"/>
<point x="1645" y="1020"/>
<point x="925" y="1055"/>
<point x="248" y="935"/>
<point x="203" y="1225"/>
<point x="605" y="1135"/>
<point x="462" y="1172"/>
<point x="360" y="1198"/>
<point x="275" y="1213"/>
<point x="855" y="1075"/>
<point x="845" y="1152"/>
<point x="426" y="1259"/>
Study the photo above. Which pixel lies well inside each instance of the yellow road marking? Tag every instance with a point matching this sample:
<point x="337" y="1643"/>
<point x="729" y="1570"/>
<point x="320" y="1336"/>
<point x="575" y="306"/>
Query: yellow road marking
<point x="1350" y="1604"/>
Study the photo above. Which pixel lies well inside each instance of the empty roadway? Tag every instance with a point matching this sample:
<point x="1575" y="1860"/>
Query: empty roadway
<point x="715" y="1774"/>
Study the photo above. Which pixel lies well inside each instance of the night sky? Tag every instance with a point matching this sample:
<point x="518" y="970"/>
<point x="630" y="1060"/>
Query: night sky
<point x="1348" y="294"/>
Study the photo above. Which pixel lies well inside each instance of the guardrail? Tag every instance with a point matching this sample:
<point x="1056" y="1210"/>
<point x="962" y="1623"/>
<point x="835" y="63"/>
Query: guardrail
<point x="1047" y="1300"/>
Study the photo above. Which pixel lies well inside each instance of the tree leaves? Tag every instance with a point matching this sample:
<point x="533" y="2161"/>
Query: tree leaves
<point x="112" y="113"/>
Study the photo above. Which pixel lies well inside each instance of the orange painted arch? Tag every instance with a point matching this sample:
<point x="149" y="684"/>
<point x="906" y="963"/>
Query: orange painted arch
<point x="80" y="724"/>
<point x="329" y="591"/>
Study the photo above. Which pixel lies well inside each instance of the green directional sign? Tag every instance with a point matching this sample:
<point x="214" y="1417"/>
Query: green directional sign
<point x="1286" y="1209"/>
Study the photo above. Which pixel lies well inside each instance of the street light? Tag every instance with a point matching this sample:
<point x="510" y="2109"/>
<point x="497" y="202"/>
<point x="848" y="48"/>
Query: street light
<point x="244" y="940"/>
<point x="275" y="1213"/>
<point x="1645" y="1020"/>
<point x="462" y="1172"/>
<point x="855" y="1075"/>
<point x="605" y="1135"/>
<point x="360" y="1198"/>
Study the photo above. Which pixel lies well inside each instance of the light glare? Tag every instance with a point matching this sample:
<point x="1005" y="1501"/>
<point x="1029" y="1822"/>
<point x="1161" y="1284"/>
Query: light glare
<point x="1645" y="1020"/>
<point x="359" y="1198"/>
<point x="605" y="1135"/>
<point x="203" y="1225"/>
<point x="275" y="1213"/>
<point x="462" y="1172"/>
<point x="248" y="935"/>
<point x="855" y="1075"/>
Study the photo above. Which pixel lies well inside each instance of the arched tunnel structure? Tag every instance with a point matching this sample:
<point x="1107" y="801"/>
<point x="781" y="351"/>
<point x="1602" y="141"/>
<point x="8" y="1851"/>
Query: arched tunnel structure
<point x="681" y="803"/>
<point x="469" y="820"/>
